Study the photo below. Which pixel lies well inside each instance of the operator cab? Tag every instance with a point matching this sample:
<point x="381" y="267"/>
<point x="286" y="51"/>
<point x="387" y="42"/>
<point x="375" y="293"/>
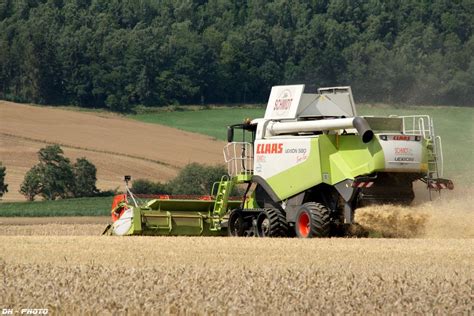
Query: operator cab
<point x="248" y="129"/>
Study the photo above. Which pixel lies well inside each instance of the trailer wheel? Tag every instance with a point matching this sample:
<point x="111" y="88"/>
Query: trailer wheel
<point x="236" y="223"/>
<point x="272" y="223"/>
<point x="312" y="220"/>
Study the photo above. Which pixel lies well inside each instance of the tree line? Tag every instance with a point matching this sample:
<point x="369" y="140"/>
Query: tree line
<point x="117" y="54"/>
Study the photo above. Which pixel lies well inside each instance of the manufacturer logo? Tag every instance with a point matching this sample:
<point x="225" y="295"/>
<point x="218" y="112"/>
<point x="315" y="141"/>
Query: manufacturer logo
<point x="276" y="148"/>
<point x="401" y="137"/>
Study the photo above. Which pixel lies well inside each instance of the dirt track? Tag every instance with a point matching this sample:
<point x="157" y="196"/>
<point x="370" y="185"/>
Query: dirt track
<point x="116" y="145"/>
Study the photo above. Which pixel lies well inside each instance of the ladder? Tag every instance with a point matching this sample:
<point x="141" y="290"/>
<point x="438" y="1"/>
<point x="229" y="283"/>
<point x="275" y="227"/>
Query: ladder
<point x="423" y="125"/>
<point x="224" y="188"/>
<point x="435" y="165"/>
<point x="435" y="159"/>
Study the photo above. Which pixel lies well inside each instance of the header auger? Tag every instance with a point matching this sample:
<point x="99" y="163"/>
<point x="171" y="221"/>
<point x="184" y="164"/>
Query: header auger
<point x="306" y="166"/>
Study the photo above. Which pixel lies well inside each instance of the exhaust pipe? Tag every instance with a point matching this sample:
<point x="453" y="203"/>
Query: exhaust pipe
<point x="359" y="123"/>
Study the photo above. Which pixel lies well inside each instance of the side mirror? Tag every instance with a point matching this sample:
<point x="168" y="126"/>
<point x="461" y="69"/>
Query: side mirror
<point x="230" y="134"/>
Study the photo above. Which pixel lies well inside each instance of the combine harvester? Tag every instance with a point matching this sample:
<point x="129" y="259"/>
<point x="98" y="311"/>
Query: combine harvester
<point x="306" y="167"/>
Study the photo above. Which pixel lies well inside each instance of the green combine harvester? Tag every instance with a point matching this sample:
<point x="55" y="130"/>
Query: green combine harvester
<point x="306" y="167"/>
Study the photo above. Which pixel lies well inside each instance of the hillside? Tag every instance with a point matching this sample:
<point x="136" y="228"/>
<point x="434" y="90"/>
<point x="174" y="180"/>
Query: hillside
<point x="116" y="145"/>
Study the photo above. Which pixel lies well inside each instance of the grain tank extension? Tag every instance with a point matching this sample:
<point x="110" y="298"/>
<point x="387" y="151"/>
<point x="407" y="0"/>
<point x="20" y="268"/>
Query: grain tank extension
<point x="306" y="167"/>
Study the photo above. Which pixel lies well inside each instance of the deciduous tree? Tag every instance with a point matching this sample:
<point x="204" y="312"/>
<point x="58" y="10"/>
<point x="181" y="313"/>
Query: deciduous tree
<point x="54" y="177"/>
<point x="85" y="177"/>
<point x="3" y="185"/>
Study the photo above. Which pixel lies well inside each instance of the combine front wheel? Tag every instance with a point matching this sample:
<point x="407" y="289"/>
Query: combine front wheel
<point x="312" y="220"/>
<point x="272" y="223"/>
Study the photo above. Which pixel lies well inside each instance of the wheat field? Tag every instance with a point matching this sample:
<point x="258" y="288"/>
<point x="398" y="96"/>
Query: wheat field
<point x="426" y="267"/>
<point x="184" y="275"/>
<point x="199" y="275"/>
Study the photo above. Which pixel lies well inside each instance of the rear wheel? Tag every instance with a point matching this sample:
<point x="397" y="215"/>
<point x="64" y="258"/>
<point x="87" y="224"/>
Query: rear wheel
<point x="272" y="223"/>
<point x="312" y="220"/>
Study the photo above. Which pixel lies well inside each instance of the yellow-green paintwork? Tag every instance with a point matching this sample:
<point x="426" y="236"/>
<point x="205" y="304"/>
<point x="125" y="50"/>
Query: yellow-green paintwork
<point x="333" y="158"/>
<point x="346" y="157"/>
<point x="299" y="178"/>
<point x="177" y="217"/>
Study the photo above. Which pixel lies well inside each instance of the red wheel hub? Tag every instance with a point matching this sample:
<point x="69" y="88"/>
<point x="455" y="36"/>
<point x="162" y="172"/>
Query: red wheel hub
<point x="303" y="224"/>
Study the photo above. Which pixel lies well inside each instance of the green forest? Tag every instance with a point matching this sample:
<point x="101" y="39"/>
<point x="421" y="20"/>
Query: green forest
<point x="118" y="54"/>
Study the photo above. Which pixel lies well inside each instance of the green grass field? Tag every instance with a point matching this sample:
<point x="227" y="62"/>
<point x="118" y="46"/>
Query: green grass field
<point x="97" y="206"/>
<point x="454" y="124"/>
<point x="211" y="122"/>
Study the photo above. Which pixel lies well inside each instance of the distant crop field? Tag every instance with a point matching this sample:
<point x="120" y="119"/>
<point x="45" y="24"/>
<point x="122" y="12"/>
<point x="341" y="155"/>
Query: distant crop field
<point x="454" y="124"/>
<point x="184" y="275"/>
<point x="97" y="206"/>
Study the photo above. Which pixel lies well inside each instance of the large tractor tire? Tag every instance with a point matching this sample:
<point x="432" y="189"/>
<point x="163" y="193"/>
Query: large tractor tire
<point x="272" y="223"/>
<point x="313" y="220"/>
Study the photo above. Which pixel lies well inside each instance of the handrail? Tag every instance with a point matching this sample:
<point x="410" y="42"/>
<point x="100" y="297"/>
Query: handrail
<point x="417" y="125"/>
<point x="239" y="158"/>
<point x="439" y="154"/>
<point x="421" y="127"/>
